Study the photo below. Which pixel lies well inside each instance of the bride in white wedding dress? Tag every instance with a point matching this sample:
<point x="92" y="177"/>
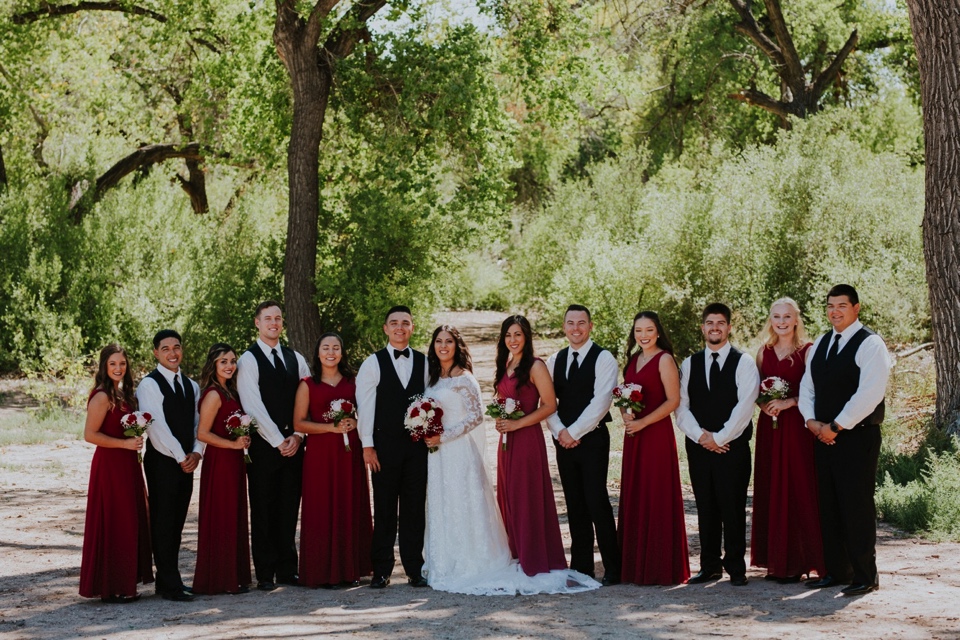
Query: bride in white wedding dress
<point x="466" y="549"/>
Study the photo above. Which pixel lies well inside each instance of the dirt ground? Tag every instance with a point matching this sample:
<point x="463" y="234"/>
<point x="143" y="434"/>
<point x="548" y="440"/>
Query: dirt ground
<point x="42" y="501"/>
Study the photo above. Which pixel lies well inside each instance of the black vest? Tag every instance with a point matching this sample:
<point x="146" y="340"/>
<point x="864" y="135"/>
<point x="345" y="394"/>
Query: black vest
<point x="712" y="406"/>
<point x="178" y="414"/>
<point x="278" y="390"/>
<point x="835" y="381"/>
<point x="392" y="397"/>
<point x="575" y="394"/>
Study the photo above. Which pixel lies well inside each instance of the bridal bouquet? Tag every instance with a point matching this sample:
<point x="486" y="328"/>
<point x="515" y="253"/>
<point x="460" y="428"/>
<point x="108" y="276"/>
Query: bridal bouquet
<point x="773" y="388"/>
<point x="423" y="419"/>
<point x="630" y="397"/>
<point x="340" y="409"/>
<point x="135" y="425"/>
<point x="506" y="408"/>
<point x="239" y="424"/>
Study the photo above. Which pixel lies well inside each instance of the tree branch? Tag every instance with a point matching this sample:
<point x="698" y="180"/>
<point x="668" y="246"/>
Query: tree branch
<point x="350" y="28"/>
<point x="762" y="100"/>
<point x="46" y="9"/>
<point x="748" y="26"/>
<point x="3" y="172"/>
<point x="315" y="22"/>
<point x="793" y="68"/>
<point x="829" y="74"/>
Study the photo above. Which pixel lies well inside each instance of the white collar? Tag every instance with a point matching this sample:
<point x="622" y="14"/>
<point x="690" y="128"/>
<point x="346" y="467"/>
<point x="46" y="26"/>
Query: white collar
<point x="169" y="375"/>
<point x="267" y="349"/>
<point x="847" y="333"/>
<point x="723" y="351"/>
<point x="584" y="349"/>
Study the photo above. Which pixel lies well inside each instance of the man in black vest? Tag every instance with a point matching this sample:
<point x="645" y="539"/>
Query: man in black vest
<point x="173" y="454"/>
<point x="386" y="383"/>
<point x="718" y="388"/>
<point x="584" y="375"/>
<point x="842" y="400"/>
<point x="268" y="374"/>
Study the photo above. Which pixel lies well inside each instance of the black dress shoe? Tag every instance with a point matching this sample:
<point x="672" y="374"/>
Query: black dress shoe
<point x="825" y="582"/>
<point x="705" y="576"/>
<point x="240" y="590"/>
<point x="266" y="585"/>
<point x="350" y="585"/>
<point x="418" y="582"/>
<point x="177" y="596"/>
<point x="187" y="589"/>
<point x="120" y="599"/>
<point x="859" y="589"/>
<point x="739" y="581"/>
<point x="293" y="581"/>
<point x="609" y="581"/>
<point x="788" y="579"/>
<point x="379" y="582"/>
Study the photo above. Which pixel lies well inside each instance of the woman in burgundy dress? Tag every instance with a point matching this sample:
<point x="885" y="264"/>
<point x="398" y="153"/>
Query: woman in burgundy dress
<point x="223" y="546"/>
<point x="524" y="490"/>
<point x="336" y="527"/>
<point x="116" y="535"/>
<point x="650" y="529"/>
<point x="785" y="537"/>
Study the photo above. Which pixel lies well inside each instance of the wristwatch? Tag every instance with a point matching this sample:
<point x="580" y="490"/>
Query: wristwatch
<point x="834" y="426"/>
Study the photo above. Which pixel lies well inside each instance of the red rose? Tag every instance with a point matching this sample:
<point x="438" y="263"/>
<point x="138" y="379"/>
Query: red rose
<point x="347" y="407"/>
<point x="233" y="422"/>
<point x="426" y="406"/>
<point x="438" y="412"/>
<point x="129" y="419"/>
<point x="147" y="417"/>
<point x="617" y="392"/>
<point x="636" y="396"/>
<point x="415" y="412"/>
<point x="766" y="385"/>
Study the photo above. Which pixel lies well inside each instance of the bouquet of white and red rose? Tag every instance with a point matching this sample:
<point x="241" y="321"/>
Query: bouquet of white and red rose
<point x="506" y="408"/>
<point x="629" y="396"/>
<point x="135" y="425"/>
<point x="424" y="419"/>
<point x="773" y="388"/>
<point x="340" y="409"/>
<point x="240" y="424"/>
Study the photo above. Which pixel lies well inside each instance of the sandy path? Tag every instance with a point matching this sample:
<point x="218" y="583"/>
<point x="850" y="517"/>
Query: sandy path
<point x="42" y="500"/>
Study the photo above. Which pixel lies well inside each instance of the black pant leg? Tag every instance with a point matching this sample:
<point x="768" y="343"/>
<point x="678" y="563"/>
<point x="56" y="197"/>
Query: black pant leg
<point x="859" y="450"/>
<point x="709" y="521"/>
<point x="829" y="467"/>
<point x="594" y="452"/>
<point x="413" y="516"/>
<point x="578" y="515"/>
<point x="290" y="479"/>
<point x="386" y="494"/>
<point x="261" y="481"/>
<point x="170" y="490"/>
<point x="732" y="478"/>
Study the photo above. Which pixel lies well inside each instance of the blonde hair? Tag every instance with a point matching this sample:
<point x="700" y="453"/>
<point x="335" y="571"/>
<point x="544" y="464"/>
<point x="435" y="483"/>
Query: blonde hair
<point x="770" y="338"/>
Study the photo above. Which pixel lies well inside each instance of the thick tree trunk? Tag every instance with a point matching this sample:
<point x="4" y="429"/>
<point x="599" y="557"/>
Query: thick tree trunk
<point x="936" y="33"/>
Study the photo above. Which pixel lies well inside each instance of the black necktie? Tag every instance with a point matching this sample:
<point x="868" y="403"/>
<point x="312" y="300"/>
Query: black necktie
<point x="177" y="387"/>
<point x="574" y="366"/>
<point x="714" y="369"/>
<point x="404" y="353"/>
<point x="277" y="361"/>
<point x="835" y="349"/>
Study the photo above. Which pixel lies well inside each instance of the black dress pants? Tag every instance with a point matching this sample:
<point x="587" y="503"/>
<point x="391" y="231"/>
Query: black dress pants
<point x="846" y="480"/>
<point x="274" y="483"/>
<point x="583" y="475"/>
<point x="720" y="482"/>
<point x="170" y="490"/>
<point x="400" y="487"/>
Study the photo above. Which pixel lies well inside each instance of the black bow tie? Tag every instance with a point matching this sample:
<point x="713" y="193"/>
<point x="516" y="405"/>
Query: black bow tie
<point x="405" y="353"/>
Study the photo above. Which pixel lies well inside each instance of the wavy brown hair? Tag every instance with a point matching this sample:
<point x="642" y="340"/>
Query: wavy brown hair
<point x="208" y="375"/>
<point x="461" y="354"/>
<point x="522" y="371"/>
<point x="343" y="366"/>
<point x="119" y="397"/>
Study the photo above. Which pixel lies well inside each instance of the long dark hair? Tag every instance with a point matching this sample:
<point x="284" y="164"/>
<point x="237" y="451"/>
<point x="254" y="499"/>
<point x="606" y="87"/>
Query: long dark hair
<point x="461" y="354"/>
<point x="208" y="375"/>
<point x="662" y="340"/>
<point x="102" y="381"/>
<point x="343" y="366"/>
<point x="522" y="371"/>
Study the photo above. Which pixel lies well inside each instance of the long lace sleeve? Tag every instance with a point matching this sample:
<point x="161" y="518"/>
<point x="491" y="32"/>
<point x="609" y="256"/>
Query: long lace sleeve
<point x="467" y="387"/>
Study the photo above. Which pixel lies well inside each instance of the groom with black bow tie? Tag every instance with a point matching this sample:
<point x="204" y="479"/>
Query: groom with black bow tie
<point x="386" y="383"/>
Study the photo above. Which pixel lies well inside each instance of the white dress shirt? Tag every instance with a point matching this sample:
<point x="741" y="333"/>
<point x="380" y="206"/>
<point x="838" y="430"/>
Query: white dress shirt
<point x="368" y="377"/>
<point x="606" y="370"/>
<point x="248" y="387"/>
<point x="748" y="389"/>
<point x="874" y="363"/>
<point x="150" y="400"/>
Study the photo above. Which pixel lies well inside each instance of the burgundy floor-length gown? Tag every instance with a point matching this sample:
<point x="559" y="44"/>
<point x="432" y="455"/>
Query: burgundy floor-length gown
<point x="524" y="490"/>
<point x="650" y="529"/>
<point x="336" y="527"/>
<point x="786" y="515"/>
<point x="223" y="542"/>
<point x="116" y="534"/>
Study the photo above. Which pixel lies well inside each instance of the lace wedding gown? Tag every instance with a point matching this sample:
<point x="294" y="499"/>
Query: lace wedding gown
<point x="466" y="549"/>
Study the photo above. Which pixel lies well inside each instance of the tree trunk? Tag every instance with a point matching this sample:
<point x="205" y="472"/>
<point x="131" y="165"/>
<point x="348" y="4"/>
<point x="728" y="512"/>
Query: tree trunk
<point x="936" y="33"/>
<point x="3" y="172"/>
<point x="310" y="82"/>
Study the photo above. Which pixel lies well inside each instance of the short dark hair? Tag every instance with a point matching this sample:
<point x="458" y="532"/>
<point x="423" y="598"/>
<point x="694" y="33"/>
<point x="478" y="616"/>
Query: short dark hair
<point x="844" y="290"/>
<point x="266" y="304"/>
<point x="578" y="307"/>
<point x="397" y="308"/>
<point x="716" y="307"/>
<point x="163" y="334"/>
